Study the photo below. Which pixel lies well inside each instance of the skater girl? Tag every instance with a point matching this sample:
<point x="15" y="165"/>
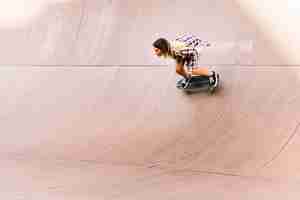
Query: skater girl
<point x="185" y="50"/>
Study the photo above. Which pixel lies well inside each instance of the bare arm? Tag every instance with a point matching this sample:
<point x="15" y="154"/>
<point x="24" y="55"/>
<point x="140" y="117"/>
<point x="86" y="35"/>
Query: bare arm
<point x="180" y="68"/>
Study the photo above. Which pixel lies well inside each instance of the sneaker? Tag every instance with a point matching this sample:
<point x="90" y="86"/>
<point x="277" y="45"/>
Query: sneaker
<point x="187" y="83"/>
<point x="213" y="79"/>
<point x="181" y="83"/>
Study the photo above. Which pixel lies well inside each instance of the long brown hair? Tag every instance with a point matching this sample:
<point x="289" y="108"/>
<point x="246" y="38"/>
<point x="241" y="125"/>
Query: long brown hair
<point x="164" y="45"/>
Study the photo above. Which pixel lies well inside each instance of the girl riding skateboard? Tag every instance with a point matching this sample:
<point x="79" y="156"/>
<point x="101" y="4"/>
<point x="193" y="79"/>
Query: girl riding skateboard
<point x="185" y="50"/>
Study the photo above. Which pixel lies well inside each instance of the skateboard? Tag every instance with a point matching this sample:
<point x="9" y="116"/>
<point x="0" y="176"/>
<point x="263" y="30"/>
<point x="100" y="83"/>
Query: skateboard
<point x="198" y="83"/>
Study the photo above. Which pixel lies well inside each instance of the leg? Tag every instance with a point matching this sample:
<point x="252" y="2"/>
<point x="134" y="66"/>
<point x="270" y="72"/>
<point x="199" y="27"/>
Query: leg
<point x="201" y="71"/>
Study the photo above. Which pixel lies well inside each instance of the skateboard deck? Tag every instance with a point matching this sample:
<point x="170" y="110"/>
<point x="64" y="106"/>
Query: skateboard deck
<point x="198" y="83"/>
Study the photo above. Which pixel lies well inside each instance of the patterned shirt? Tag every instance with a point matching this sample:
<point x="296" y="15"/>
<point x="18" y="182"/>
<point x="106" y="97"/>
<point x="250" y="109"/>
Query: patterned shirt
<point x="188" y="48"/>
